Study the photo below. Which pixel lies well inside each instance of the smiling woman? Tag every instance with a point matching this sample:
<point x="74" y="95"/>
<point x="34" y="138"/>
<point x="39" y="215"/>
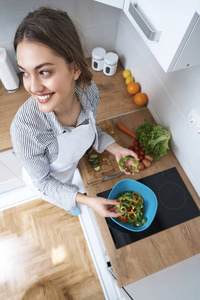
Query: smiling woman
<point x="49" y="79"/>
<point x="55" y="127"/>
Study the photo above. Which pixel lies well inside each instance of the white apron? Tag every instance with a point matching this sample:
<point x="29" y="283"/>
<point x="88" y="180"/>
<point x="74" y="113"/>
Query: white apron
<point x="72" y="146"/>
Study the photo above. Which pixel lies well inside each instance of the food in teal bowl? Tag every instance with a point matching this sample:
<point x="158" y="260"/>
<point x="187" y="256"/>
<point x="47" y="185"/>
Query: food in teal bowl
<point x="137" y="201"/>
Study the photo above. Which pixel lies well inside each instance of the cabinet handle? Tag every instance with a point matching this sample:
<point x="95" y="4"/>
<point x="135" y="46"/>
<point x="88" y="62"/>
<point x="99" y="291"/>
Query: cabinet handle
<point x="149" y="33"/>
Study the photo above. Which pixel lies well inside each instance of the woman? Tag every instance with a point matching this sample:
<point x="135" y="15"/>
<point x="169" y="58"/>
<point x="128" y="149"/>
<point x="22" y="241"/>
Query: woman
<point x="56" y="125"/>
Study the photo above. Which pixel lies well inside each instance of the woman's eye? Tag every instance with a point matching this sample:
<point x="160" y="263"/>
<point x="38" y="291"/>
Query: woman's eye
<point x="24" y="74"/>
<point x="45" y="73"/>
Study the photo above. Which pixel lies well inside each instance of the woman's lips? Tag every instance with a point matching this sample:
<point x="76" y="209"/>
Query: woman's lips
<point x="44" y="98"/>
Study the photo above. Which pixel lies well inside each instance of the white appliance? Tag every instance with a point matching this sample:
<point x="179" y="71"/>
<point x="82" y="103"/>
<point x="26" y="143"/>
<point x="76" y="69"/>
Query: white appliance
<point x="8" y="75"/>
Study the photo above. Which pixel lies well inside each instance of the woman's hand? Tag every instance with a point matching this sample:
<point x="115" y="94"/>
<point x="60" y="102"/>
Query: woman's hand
<point x="121" y="152"/>
<point x="104" y="207"/>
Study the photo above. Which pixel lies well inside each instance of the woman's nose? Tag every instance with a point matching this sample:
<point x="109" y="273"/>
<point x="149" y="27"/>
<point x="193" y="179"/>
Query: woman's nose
<point x="35" y="85"/>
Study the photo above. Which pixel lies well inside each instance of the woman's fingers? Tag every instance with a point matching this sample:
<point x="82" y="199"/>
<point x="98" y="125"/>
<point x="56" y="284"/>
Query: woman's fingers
<point x="112" y="211"/>
<point x="112" y="202"/>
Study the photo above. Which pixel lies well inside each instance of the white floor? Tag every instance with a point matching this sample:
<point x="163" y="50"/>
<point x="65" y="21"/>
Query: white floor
<point x="12" y="188"/>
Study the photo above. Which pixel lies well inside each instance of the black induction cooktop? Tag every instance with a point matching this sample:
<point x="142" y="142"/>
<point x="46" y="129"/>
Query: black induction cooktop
<point x="175" y="206"/>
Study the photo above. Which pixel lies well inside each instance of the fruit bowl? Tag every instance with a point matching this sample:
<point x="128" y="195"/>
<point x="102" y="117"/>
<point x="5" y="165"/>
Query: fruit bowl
<point x="150" y="202"/>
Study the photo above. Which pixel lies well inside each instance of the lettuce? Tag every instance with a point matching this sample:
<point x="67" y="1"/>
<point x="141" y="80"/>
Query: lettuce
<point x="154" y="138"/>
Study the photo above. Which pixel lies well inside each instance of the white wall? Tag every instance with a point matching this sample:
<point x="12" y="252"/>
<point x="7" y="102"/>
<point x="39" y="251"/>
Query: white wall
<point x="96" y="22"/>
<point x="171" y="96"/>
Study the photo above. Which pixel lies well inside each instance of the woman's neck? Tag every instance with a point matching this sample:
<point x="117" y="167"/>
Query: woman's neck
<point x="68" y="115"/>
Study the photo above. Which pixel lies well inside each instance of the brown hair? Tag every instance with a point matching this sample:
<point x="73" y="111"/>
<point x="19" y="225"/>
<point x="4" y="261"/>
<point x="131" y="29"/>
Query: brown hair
<point x="55" y="29"/>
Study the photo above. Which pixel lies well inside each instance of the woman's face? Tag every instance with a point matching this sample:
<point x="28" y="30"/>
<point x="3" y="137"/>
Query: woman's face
<point x="46" y="76"/>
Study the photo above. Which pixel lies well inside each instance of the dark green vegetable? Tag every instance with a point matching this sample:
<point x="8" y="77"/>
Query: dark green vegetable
<point x="154" y="138"/>
<point x="122" y="208"/>
<point x="138" y="224"/>
<point x="144" y="219"/>
<point x="129" y="164"/>
<point x="94" y="160"/>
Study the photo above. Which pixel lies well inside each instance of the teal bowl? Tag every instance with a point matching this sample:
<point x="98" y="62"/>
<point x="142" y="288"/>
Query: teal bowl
<point x="150" y="202"/>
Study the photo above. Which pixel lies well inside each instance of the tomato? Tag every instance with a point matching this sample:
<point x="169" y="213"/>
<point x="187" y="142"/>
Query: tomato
<point x="136" y="152"/>
<point x="142" y="152"/>
<point x="141" y="157"/>
<point x="131" y="148"/>
<point x="136" y="143"/>
<point x="142" y="148"/>
<point x="136" y="148"/>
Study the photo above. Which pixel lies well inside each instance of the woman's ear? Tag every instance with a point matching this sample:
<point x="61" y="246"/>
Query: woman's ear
<point x="76" y="71"/>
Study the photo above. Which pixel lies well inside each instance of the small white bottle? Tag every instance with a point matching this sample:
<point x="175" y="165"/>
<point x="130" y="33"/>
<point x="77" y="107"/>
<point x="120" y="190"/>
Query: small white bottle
<point x="98" y="58"/>
<point x="110" y="63"/>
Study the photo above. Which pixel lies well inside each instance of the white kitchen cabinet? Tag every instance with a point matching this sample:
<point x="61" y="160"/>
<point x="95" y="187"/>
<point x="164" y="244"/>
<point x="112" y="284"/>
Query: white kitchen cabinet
<point x="114" y="3"/>
<point x="170" y="29"/>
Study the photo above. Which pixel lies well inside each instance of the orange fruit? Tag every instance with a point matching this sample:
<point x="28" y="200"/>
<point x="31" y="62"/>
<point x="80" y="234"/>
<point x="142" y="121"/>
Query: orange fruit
<point x="126" y="73"/>
<point x="133" y="88"/>
<point x="140" y="99"/>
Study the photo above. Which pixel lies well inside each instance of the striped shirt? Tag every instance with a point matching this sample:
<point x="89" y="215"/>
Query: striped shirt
<point x="34" y="138"/>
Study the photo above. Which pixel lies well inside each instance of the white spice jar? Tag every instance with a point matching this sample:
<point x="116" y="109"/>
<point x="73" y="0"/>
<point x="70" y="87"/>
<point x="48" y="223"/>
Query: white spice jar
<point x="98" y="58"/>
<point x="110" y="63"/>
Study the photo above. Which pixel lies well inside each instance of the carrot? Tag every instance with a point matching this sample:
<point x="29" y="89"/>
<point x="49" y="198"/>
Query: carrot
<point x="124" y="129"/>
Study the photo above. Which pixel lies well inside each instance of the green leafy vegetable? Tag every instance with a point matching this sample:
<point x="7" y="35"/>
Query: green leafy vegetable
<point x="154" y="138"/>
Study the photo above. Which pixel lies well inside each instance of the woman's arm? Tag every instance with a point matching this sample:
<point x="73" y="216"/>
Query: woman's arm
<point x="104" y="207"/>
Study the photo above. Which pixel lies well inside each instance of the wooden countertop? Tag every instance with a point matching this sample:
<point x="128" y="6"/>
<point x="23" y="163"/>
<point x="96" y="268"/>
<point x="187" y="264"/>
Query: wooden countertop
<point x="161" y="250"/>
<point x="9" y="104"/>
<point x="153" y="253"/>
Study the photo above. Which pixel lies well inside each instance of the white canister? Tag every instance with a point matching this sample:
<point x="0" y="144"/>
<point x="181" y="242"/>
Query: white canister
<point x="110" y="63"/>
<point x="98" y="58"/>
<point x="8" y="75"/>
